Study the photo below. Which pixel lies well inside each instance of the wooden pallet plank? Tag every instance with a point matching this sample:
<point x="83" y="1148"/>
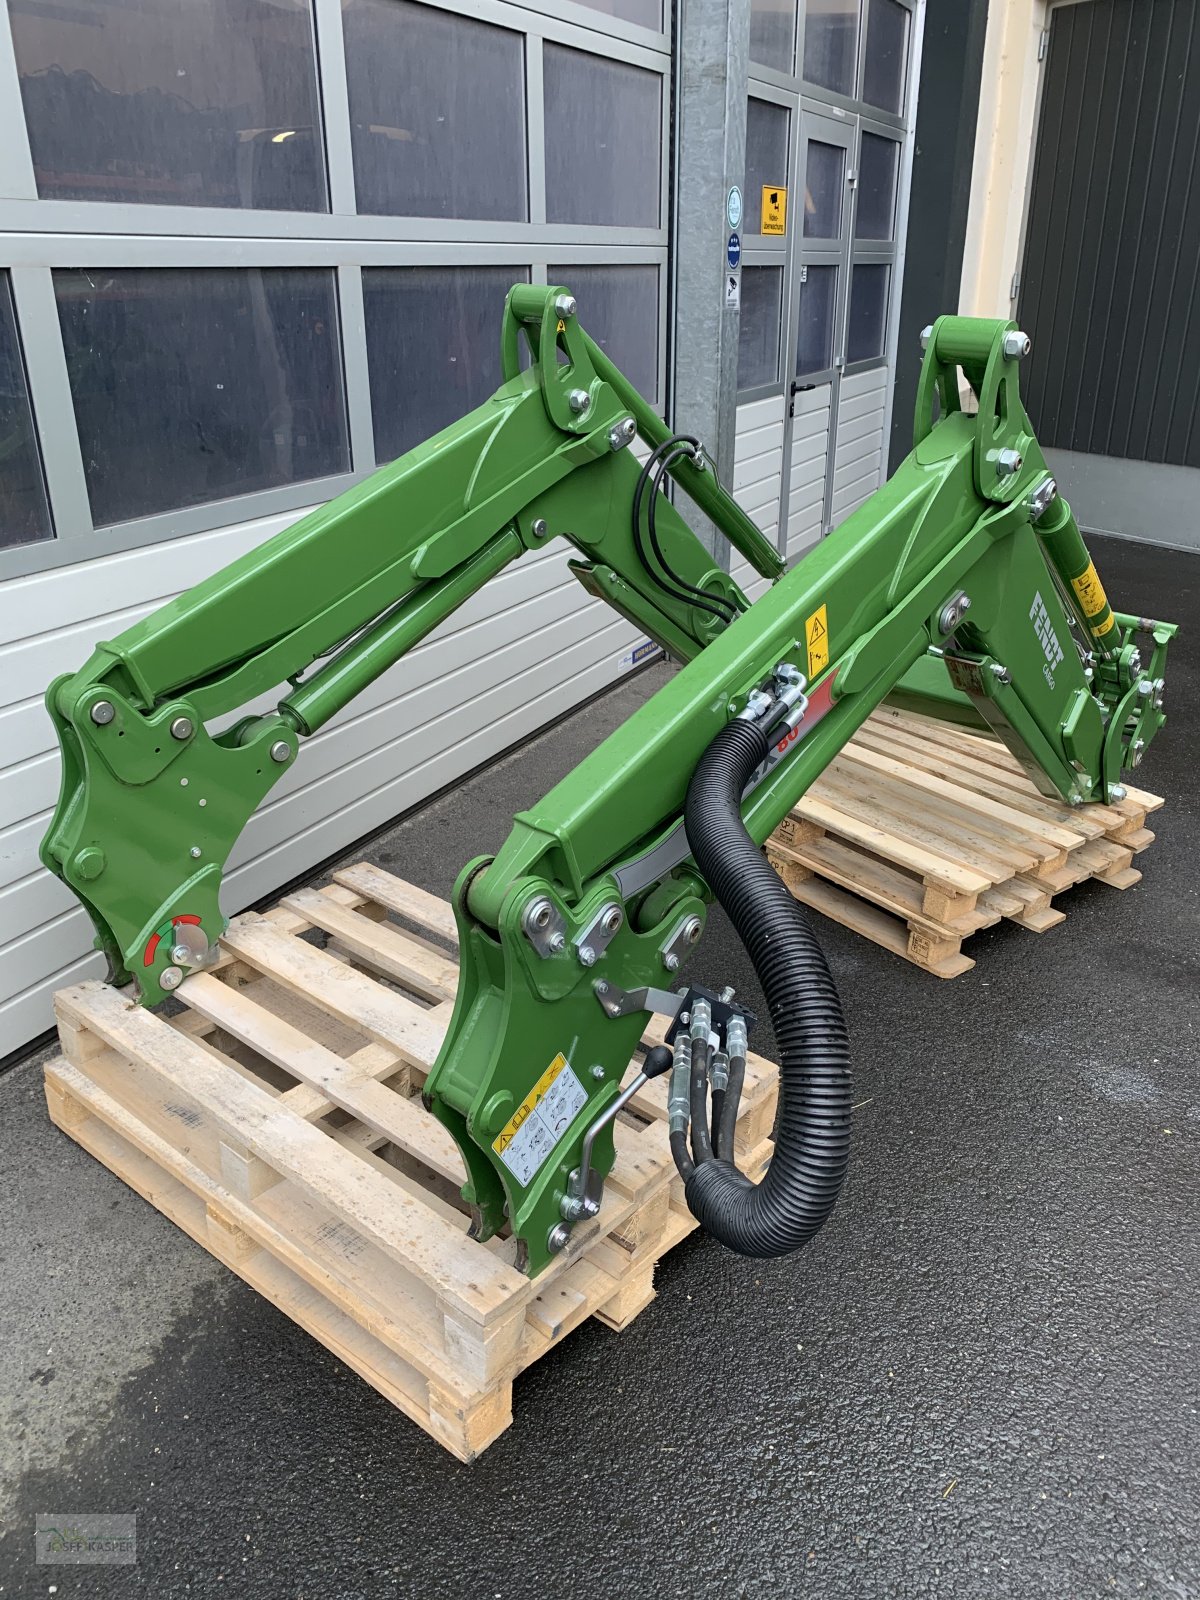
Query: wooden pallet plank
<point x="481" y="1289"/>
<point x="417" y="906"/>
<point x="407" y="961"/>
<point x="381" y="1108"/>
<point x="881" y="929"/>
<point x="865" y="829"/>
<point x="348" y="994"/>
<point x="1009" y="821"/>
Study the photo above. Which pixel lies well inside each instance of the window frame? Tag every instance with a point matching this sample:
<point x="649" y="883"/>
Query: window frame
<point x="37" y="236"/>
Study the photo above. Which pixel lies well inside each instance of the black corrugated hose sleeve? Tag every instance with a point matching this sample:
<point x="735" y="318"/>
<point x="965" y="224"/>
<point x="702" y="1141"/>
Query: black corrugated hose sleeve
<point x="812" y="1143"/>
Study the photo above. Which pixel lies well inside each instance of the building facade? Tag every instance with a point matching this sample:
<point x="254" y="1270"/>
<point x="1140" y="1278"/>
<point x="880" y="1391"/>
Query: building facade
<point x="252" y="249"/>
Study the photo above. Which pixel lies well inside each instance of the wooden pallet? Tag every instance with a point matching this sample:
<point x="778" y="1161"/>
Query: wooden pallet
<point x="277" y="1121"/>
<point x="920" y="833"/>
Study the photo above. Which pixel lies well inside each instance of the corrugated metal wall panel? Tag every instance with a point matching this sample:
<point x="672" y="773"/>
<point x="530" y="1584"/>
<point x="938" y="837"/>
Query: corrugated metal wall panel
<point x="858" y="457"/>
<point x="477" y="686"/>
<point x="1110" y="276"/>
<point x="808" y="466"/>
<point x="757" y="478"/>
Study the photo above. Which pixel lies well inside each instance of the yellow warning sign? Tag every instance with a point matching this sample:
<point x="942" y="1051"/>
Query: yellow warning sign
<point x="816" y="637"/>
<point x="774" y="209"/>
<point x="529" y="1136"/>
<point x="1090" y="591"/>
<point x="562" y="327"/>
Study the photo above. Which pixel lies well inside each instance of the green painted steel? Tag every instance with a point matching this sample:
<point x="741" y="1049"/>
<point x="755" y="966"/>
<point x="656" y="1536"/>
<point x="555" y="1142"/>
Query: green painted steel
<point x="963" y="586"/>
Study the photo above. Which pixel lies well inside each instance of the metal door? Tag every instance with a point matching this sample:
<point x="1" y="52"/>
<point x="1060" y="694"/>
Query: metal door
<point x="818" y="270"/>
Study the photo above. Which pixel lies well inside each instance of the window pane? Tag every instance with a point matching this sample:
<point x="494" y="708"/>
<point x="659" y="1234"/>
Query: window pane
<point x="884" y="64"/>
<point x="830" y="42"/>
<point x="172" y="102"/>
<point x="758" y="331"/>
<point x="646" y="13"/>
<point x="433" y="347"/>
<point x="603" y="140"/>
<point x="868" y="312"/>
<point x="437" y="112"/>
<point x="193" y="384"/>
<point x="24" y="514"/>
<point x="766" y="155"/>
<point x="772" y="33"/>
<point x="877" y="161"/>
<point x="818" y="299"/>
<point x="825" y="183"/>
<point x="618" y="307"/>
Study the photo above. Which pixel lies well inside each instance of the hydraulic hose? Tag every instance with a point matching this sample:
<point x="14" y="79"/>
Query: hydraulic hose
<point x="802" y="1182"/>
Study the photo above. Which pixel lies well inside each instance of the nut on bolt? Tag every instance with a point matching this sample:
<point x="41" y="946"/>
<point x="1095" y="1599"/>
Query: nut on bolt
<point x="1008" y="463"/>
<point x="579" y="401"/>
<point x="926" y="335"/>
<point x="564" y="304"/>
<point x="537" y="915"/>
<point x="622" y="434"/>
<point x="587" y="955"/>
<point x="558" y="1238"/>
<point x="170" y="978"/>
<point x="1016" y="344"/>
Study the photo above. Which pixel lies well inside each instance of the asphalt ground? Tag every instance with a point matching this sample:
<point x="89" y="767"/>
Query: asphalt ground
<point x="979" y="1381"/>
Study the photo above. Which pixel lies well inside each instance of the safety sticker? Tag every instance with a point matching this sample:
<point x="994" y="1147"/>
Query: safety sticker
<point x="774" y="209"/>
<point x="1092" y="596"/>
<point x="816" y="637"/>
<point x="529" y="1136"/>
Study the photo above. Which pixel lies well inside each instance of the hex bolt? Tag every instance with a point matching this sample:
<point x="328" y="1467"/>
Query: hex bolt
<point x="564" y="304"/>
<point x="181" y="955"/>
<point x="182" y="728"/>
<point x="557" y="943"/>
<point x="671" y="961"/>
<point x="1117" y="791"/>
<point x="170" y="979"/>
<point x="1008" y="463"/>
<point x="195" y="852"/>
<point x="281" y="751"/>
<point x="579" y="400"/>
<point x="1139" y="746"/>
<point x="597" y="1071"/>
<point x="1016" y="344"/>
<point x="600" y="986"/>
<point x="538" y="528"/>
<point x="558" y="1238"/>
<point x="1042" y="498"/>
<point x="587" y="955"/>
<point x="1145" y="687"/>
<point x="622" y="434"/>
<point x="103" y="712"/>
<point x="926" y="335"/>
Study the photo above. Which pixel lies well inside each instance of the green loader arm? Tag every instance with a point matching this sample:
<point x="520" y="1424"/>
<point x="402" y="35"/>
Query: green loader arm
<point x="152" y="802"/>
<point x="966" y="560"/>
<point x="962" y="587"/>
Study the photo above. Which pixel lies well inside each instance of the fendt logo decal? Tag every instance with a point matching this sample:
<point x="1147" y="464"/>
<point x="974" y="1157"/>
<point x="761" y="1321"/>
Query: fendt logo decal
<point x="1047" y="638"/>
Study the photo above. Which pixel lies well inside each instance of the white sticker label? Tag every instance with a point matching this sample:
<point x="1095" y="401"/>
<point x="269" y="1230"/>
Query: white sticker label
<point x="528" y="1138"/>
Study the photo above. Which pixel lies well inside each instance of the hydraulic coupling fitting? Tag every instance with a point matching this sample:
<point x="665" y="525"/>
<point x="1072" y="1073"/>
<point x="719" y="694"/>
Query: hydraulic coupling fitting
<point x="718" y="1070"/>
<point x="679" y="1105"/>
<point x="735" y="1037"/>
